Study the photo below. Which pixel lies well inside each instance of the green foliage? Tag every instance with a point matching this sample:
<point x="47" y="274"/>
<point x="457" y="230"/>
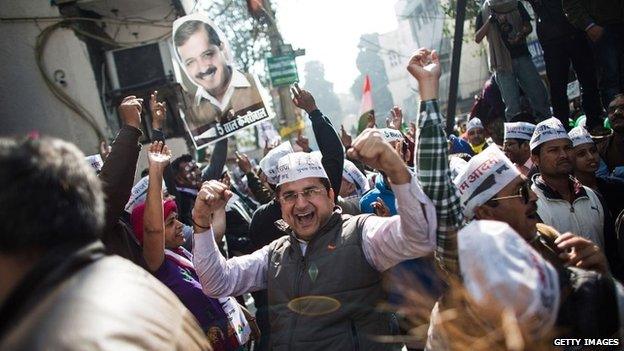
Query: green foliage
<point x="248" y="37"/>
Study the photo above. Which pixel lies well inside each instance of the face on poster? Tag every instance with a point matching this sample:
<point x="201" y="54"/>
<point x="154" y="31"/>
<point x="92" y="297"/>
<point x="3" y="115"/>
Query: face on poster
<point x="226" y="100"/>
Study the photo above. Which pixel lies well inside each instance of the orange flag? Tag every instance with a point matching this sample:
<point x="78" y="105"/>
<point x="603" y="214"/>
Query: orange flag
<point x="366" y="106"/>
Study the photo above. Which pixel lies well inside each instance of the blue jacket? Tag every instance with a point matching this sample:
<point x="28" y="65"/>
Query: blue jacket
<point x="381" y="190"/>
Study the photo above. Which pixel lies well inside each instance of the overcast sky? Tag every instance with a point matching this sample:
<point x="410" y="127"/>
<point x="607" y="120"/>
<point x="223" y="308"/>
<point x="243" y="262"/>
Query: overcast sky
<point x="329" y="30"/>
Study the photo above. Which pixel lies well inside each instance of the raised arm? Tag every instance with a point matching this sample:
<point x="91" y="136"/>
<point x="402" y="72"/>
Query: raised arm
<point x="117" y="173"/>
<point x="431" y="159"/>
<point x="326" y="137"/>
<point x="483" y="28"/>
<point x="217" y="161"/>
<point x="153" y="218"/>
<point x="158" y="111"/>
<point x="262" y="194"/>
<point x="410" y="234"/>
<point x="220" y="277"/>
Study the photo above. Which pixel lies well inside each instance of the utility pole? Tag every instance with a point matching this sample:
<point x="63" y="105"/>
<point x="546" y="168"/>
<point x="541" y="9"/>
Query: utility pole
<point x="286" y="111"/>
<point x="460" y="18"/>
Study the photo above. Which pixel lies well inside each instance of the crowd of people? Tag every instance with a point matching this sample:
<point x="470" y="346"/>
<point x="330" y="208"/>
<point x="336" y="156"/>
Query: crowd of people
<point x="399" y="237"/>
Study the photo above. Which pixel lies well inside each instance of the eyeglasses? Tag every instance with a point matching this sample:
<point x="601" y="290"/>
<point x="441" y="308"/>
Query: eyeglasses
<point x="309" y="193"/>
<point x="523" y="192"/>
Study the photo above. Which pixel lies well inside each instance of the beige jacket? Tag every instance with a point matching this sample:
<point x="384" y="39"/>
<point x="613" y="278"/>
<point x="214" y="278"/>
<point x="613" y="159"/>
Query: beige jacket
<point x="110" y="304"/>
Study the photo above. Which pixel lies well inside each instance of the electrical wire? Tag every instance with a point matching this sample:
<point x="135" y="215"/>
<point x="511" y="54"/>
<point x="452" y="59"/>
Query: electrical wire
<point x="142" y="22"/>
<point x="83" y="113"/>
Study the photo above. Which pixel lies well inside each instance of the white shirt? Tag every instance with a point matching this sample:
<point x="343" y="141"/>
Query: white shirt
<point x="238" y="80"/>
<point x="386" y="241"/>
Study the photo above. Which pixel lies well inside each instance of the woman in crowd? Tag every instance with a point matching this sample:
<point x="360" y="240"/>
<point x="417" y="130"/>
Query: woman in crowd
<point x="157" y="228"/>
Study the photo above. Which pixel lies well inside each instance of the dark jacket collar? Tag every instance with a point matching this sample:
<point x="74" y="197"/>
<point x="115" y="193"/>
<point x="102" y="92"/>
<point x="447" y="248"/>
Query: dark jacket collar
<point x="577" y="188"/>
<point x="54" y="267"/>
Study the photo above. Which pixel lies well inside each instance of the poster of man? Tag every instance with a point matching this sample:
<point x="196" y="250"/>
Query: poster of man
<point x="226" y="100"/>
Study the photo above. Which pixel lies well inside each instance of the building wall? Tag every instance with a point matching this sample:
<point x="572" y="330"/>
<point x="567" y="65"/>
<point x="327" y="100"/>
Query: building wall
<point x="421" y="23"/>
<point x="27" y="103"/>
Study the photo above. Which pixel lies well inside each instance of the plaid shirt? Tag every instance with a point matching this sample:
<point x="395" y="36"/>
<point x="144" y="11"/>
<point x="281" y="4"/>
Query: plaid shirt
<point x="435" y="179"/>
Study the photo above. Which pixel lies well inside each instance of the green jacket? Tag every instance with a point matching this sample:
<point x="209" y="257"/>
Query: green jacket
<point x="582" y="13"/>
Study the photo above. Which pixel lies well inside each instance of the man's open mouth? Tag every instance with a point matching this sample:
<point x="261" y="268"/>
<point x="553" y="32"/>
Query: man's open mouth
<point x="305" y="219"/>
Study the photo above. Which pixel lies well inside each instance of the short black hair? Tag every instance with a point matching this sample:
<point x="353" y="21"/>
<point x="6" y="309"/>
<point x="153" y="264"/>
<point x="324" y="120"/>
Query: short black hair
<point x="50" y="196"/>
<point x="536" y="150"/>
<point x="175" y="165"/>
<point x="187" y="29"/>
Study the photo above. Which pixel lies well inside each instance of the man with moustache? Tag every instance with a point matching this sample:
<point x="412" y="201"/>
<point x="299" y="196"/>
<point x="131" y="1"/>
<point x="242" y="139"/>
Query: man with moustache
<point x="222" y="91"/>
<point x="516" y="146"/>
<point x="563" y="202"/>
<point x="324" y="278"/>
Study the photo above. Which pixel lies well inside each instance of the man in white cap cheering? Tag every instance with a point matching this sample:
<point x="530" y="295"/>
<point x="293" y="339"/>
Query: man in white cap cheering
<point x="563" y="202"/>
<point x="516" y="145"/>
<point x="476" y="136"/>
<point x="324" y="277"/>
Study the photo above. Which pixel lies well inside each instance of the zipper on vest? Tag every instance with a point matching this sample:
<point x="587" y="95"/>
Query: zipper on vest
<point x="354" y="336"/>
<point x="297" y="290"/>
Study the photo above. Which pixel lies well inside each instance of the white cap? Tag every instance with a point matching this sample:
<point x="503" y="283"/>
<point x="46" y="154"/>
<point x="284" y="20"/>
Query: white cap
<point x="486" y="174"/>
<point x="391" y="135"/>
<point x="139" y="193"/>
<point x="95" y="161"/>
<point x="474" y="123"/>
<point x="299" y="165"/>
<point x="579" y="136"/>
<point x="457" y="165"/>
<point x="268" y="164"/>
<point x="519" y="130"/>
<point x="547" y="130"/>
<point x="353" y="175"/>
<point x="501" y="271"/>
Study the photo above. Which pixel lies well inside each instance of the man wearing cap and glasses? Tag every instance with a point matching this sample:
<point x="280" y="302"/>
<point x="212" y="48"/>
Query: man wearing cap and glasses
<point x="516" y="146"/>
<point x="324" y="278"/>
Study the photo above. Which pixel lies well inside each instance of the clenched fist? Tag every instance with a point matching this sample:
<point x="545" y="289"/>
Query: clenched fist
<point x="371" y="148"/>
<point x="130" y="111"/>
<point x="212" y="197"/>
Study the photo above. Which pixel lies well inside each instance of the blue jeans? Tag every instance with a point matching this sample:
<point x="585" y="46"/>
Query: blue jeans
<point x="524" y="76"/>
<point x="608" y="51"/>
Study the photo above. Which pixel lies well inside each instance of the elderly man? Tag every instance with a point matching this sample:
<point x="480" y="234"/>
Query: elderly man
<point x="59" y="290"/>
<point x="476" y="136"/>
<point x="516" y="146"/>
<point x="563" y="202"/>
<point x="324" y="277"/>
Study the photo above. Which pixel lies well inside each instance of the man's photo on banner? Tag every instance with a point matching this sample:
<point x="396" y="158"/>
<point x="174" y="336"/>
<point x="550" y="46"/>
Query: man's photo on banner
<point x="226" y="100"/>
